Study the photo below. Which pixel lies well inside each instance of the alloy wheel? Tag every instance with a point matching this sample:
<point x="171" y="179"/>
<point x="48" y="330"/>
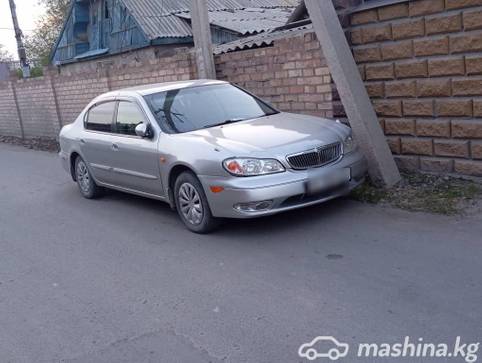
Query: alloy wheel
<point x="190" y="204"/>
<point x="83" y="176"/>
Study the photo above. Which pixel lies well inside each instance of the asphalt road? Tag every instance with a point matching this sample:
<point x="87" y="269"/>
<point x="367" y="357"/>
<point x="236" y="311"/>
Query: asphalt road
<point x="120" y="280"/>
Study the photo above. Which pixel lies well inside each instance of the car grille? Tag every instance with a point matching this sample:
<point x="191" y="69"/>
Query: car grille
<point x="316" y="157"/>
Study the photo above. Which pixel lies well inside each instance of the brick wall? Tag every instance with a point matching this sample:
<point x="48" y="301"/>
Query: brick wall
<point x="46" y="103"/>
<point x="422" y="65"/>
<point x="421" y="61"/>
<point x="9" y="123"/>
<point x="74" y="93"/>
<point x="35" y="99"/>
<point x="292" y="74"/>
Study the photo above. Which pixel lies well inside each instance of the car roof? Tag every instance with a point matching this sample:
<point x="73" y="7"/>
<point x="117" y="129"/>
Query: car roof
<point x="162" y="87"/>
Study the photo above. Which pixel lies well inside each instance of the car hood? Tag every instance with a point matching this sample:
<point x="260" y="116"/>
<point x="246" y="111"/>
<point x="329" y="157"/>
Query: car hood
<point x="281" y="133"/>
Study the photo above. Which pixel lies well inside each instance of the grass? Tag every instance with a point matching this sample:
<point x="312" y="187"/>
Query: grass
<point x="425" y="193"/>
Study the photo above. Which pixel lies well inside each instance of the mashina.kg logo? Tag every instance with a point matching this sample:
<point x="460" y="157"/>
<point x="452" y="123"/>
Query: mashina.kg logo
<point x="323" y="347"/>
<point x="329" y="347"/>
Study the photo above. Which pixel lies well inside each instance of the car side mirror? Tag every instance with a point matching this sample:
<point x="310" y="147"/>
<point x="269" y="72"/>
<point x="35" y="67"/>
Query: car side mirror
<point x="144" y="130"/>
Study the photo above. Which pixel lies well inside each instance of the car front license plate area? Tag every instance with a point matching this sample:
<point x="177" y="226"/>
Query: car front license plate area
<point x="328" y="180"/>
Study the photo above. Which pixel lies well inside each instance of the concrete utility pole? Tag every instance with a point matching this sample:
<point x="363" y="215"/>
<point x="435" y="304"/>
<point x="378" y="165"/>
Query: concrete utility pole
<point x="202" y="39"/>
<point x="22" y="55"/>
<point x="358" y="107"/>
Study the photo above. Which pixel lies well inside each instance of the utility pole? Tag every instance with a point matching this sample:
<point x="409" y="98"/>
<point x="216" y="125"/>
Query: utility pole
<point x="22" y="55"/>
<point x="353" y="94"/>
<point x="202" y="39"/>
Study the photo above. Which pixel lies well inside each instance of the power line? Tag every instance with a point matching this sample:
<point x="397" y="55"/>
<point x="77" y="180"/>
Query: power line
<point x="12" y="29"/>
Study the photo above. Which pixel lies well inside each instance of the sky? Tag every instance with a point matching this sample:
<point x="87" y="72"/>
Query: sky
<point x="28" y="11"/>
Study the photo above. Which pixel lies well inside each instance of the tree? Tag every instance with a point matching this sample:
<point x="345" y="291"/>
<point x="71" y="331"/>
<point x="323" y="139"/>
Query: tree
<point x="39" y="44"/>
<point x="5" y="55"/>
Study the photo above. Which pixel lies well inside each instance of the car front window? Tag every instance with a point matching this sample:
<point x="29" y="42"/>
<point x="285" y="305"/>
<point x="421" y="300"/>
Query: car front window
<point x="128" y="117"/>
<point x="194" y="108"/>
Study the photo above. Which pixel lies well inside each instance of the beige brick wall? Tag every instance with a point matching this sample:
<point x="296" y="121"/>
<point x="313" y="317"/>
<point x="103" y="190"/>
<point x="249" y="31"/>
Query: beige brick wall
<point x="74" y="93"/>
<point x="292" y="74"/>
<point x="421" y="62"/>
<point x="422" y="65"/>
<point x="36" y="102"/>
<point x="9" y="122"/>
<point x="56" y="99"/>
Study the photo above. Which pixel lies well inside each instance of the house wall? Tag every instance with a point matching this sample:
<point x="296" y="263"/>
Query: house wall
<point x="422" y="65"/>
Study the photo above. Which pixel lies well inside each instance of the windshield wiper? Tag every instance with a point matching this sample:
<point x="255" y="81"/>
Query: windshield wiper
<point x="225" y="122"/>
<point x="166" y="111"/>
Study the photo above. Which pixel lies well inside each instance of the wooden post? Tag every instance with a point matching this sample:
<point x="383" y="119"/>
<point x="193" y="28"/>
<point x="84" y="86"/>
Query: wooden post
<point x="357" y="104"/>
<point x="202" y="39"/>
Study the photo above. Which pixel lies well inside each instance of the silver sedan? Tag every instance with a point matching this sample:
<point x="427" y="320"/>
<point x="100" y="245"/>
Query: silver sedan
<point x="211" y="150"/>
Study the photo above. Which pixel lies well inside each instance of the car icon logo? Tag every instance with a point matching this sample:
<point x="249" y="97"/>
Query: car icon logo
<point x="323" y="347"/>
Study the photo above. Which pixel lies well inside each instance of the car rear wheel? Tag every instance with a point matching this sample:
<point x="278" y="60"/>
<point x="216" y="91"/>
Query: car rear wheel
<point x="192" y="204"/>
<point x="86" y="183"/>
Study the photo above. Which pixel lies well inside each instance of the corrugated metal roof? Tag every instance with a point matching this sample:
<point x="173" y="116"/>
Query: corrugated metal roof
<point x="260" y="39"/>
<point x="158" y="19"/>
<point x="247" y="21"/>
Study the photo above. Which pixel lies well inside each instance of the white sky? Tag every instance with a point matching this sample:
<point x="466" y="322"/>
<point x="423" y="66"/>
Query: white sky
<point x="28" y="11"/>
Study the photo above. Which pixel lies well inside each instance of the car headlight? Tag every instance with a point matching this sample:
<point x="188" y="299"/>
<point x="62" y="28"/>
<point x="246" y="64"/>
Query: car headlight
<point x="349" y="145"/>
<point x="252" y="167"/>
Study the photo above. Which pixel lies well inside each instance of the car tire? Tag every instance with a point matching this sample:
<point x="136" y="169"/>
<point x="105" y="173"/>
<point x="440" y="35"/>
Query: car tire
<point x="87" y="186"/>
<point x="192" y="204"/>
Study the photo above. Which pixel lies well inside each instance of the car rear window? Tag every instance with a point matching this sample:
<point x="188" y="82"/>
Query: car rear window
<point x="194" y="108"/>
<point x="100" y="117"/>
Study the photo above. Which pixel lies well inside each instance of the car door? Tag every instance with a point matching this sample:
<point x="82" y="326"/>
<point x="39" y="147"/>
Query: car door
<point x="96" y="140"/>
<point x="135" y="159"/>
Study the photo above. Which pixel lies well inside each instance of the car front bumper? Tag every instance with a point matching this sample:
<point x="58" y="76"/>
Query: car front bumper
<point x="284" y="191"/>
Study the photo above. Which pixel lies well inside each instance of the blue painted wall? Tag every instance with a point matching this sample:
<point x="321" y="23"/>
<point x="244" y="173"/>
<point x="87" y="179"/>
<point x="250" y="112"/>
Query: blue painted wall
<point x="98" y="26"/>
<point x="106" y="27"/>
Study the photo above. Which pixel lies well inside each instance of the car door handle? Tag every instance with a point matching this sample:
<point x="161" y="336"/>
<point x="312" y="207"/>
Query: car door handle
<point x="115" y="147"/>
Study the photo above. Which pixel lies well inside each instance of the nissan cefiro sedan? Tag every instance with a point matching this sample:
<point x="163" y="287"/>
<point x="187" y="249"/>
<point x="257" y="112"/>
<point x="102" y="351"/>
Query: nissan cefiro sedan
<point x="211" y="150"/>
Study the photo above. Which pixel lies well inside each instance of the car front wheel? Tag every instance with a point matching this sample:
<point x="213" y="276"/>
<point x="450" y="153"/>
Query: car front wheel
<point x="86" y="183"/>
<point x="192" y="205"/>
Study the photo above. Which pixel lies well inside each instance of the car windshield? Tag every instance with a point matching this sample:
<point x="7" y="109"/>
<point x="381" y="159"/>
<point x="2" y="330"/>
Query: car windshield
<point x="194" y="108"/>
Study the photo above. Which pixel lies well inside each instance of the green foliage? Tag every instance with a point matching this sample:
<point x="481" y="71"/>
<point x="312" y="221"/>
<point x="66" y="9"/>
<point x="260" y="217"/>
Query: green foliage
<point x="34" y="72"/>
<point x="40" y="43"/>
<point x="368" y="193"/>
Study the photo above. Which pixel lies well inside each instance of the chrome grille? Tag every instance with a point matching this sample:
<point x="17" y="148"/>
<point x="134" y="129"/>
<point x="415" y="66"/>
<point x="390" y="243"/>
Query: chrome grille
<point x="317" y="157"/>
